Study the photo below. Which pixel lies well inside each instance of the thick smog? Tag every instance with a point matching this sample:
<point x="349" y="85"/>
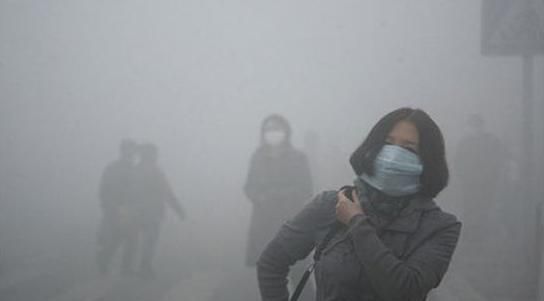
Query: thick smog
<point x="271" y="150"/>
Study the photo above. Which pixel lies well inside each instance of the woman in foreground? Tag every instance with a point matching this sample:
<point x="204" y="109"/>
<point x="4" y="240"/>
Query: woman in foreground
<point x="392" y="242"/>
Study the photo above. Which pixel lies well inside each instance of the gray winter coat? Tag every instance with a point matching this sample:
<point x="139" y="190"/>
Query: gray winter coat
<point x="399" y="261"/>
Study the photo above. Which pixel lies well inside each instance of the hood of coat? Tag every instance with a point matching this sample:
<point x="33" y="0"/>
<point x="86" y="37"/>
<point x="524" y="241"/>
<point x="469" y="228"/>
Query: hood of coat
<point x="276" y="122"/>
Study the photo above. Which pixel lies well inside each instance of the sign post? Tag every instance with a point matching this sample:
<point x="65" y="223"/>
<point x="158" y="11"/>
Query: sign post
<point x="516" y="28"/>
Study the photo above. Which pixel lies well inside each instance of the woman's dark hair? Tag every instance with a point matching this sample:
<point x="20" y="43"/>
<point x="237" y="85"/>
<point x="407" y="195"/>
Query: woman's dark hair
<point x="281" y="122"/>
<point x="431" y="149"/>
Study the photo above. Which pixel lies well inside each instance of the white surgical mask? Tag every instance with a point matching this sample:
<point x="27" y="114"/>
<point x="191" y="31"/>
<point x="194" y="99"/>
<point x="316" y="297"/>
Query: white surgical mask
<point x="396" y="171"/>
<point x="274" y="138"/>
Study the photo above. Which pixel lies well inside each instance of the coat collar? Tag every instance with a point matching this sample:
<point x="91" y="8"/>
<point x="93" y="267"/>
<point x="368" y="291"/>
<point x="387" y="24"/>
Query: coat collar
<point x="408" y="220"/>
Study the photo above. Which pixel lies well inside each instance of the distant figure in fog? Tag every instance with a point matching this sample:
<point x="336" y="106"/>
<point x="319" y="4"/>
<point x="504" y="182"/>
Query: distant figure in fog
<point x="278" y="184"/>
<point x="481" y="162"/>
<point x="312" y="149"/>
<point x="116" y="195"/>
<point x="153" y="195"/>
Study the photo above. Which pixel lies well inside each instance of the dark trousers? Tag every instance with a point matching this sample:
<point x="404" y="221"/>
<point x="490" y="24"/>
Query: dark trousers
<point x="111" y="237"/>
<point x="149" y="236"/>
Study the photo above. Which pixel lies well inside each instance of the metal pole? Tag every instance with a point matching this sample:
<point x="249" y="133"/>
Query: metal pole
<point x="540" y="231"/>
<point x="528" y="126"/>
<point x="529" y="174"/>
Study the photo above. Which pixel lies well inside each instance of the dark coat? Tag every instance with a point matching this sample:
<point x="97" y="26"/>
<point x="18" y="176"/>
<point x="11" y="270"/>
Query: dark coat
<point x="400" y="261"/>
<point x="153" y="194"/>
<point x="116" y="186"/>
<point x="278" y="185"/>
<point x="116" y="192"/>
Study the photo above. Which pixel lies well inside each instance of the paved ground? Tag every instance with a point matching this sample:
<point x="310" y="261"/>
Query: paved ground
<point x="189" y="273"/>
<point x="182" y="273"/>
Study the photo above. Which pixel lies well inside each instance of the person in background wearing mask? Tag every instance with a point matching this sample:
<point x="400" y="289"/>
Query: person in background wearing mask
<point x="278" y="184"/>
<point x="482" y="164"/>
<point x="391" y="241"/>
<point x="153" y="195"/>
<point x="116" y="193"/>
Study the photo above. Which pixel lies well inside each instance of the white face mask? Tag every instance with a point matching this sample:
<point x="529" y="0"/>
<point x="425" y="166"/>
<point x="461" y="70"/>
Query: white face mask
<point x="274" y="138"/>
<point x="396" y="171"/>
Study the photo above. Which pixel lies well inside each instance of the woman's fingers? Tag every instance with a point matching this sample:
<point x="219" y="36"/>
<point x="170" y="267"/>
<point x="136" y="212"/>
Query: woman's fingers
<point x="346" y="209"/>
<point x="355" y="196"/>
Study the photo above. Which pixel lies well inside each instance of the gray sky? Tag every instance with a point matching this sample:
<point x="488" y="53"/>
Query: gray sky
<point x="77" y="75"/>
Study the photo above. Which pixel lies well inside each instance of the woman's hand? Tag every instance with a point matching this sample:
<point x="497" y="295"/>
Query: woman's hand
<point x="346" y="209"/>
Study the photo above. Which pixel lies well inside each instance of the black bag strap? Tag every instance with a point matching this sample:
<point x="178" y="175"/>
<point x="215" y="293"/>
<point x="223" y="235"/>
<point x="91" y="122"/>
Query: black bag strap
<point x="302" y="282"/>
<point x="317" y="254"/>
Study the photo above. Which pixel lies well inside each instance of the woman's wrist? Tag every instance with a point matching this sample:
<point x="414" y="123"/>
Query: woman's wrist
<point x="354" y="219"/>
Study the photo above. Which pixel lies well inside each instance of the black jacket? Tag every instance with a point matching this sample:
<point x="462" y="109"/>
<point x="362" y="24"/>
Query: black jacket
<point x="399" y="261"/>
<point x="278" y="186"/>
